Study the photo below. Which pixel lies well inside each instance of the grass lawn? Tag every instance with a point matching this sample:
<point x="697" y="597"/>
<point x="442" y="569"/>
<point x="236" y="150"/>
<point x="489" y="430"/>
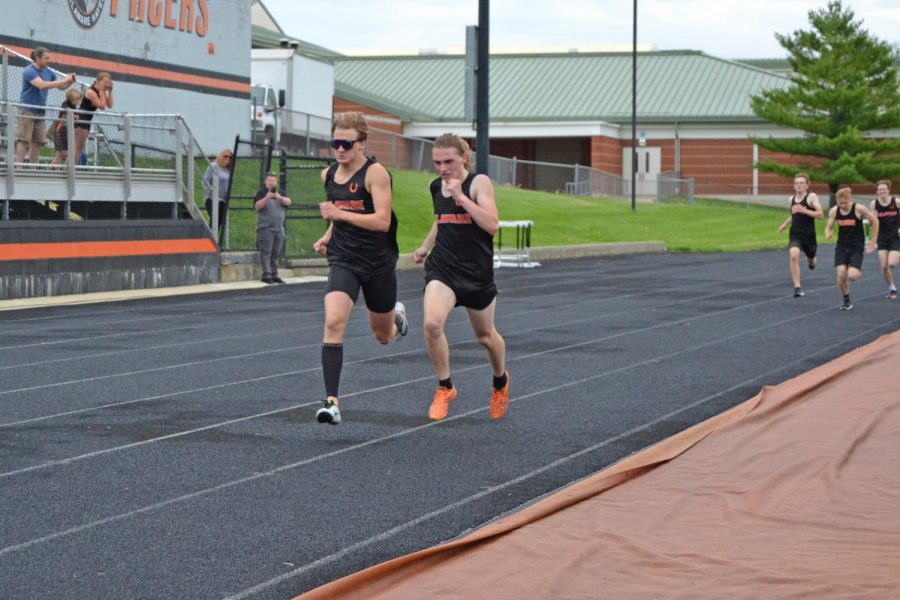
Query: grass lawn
<point x="706" y="226"/>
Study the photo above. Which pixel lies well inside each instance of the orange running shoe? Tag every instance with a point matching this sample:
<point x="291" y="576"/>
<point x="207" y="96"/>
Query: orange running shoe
<point x="441" y="403"/>
<point x="500" y="400"/>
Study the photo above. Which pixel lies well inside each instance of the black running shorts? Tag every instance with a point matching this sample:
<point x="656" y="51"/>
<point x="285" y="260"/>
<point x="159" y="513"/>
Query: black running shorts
<point x="806" y="244"/>
<point x="848" y="257"/>
<point x="379" y="289"/>
<point x="476" y="297"/>
<point x="890" y="245"/>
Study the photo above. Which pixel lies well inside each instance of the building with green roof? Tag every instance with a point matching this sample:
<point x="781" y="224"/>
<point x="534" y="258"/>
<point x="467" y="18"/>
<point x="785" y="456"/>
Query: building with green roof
<point x="694" y="110"/>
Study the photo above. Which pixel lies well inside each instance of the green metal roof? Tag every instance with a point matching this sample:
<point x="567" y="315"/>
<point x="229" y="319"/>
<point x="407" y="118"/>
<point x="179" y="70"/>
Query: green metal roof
<point x="266" y="38"/>
<point x="672" y="86"/>
<point x="777" y="65"/>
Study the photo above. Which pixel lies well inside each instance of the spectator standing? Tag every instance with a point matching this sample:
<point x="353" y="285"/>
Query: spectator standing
<point x="220" y="169"/>
<point x="97" y="97"/>
<point x="37" y="80"/>
<point x="270" y="205"/>
<point x="61" y="131"/>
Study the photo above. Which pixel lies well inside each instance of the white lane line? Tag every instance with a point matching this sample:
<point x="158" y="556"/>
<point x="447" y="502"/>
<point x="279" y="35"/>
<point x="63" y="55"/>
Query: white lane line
<point x="68" y="311"/>
<point x="318" y="325"/>
<point x="317" y="314"/>
<point x="181" y="365"/>
<point x="717" y="341"/>
<point x="384" y="535"/>
<point x="213" y="340"/>
<point x="158" y="505"/>
<point x="205" y="361"/>
<point x="370" y="359"/>
<point x="134" y="333"/>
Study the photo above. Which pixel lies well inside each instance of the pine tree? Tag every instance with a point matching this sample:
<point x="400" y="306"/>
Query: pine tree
<point x="843" y="95"/>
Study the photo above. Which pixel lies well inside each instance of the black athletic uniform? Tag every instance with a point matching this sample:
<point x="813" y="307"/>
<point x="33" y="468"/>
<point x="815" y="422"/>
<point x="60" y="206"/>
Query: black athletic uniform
<point x="463" y="253"/>
<point x="83" y="121"/>
<point x="851" y="240"/>
<point x="361" y="258"/>
<point x="888" y="222"/>
<point x="803" y="229"/>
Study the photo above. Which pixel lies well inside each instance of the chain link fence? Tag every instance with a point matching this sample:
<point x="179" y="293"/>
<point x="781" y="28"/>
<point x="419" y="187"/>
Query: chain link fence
<point x="303" y="134"/>
<point x="299" y="176"/>
<point x="670" y="186"/>
<point x="397" y="151"/>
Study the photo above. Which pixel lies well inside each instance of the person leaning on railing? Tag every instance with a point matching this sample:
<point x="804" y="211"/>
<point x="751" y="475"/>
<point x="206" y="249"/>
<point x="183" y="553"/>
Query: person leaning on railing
<point x="37" y="80"/>
<point x="98" y="96"/>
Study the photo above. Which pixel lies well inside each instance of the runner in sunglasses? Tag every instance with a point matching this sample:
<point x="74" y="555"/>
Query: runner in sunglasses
<point x="361" y="246"/>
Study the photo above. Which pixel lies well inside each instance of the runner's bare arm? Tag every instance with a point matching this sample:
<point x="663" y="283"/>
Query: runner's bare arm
<point x="482" y="206"/>
<point x="817" y="212"/>
<point x="832" y="215"/>
<point x="865" y="213"/>
<point x="421" y="252"/>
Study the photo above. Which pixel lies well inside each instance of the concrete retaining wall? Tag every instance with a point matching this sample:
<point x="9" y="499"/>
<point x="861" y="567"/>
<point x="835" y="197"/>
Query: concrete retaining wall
<point x="45" y="258"/>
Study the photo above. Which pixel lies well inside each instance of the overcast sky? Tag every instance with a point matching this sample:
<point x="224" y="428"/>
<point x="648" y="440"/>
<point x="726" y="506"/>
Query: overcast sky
<point x="724" y="28"/>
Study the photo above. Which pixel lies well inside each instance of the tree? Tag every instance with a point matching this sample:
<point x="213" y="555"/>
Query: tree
<point x="843" y="92"/>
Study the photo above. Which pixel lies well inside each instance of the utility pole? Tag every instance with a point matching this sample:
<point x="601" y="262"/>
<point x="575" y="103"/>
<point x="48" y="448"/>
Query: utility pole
<point x="634" y="164"/>
<point x="482" y="141"/>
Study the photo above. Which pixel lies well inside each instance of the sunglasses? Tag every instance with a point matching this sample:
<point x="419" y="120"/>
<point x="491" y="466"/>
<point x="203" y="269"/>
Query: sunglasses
<point x="343" y="144"/>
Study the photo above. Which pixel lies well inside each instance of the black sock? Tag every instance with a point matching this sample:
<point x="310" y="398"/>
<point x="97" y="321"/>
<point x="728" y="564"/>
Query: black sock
<point x="446" y="383"/>
<point x="500" y="382"/>
<point x="846" y="297"/>
<point x="332" y="361"/>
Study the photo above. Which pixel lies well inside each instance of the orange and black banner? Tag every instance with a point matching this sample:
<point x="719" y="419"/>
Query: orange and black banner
<point x="93" y="249"/>
<point x="48" y="241"/>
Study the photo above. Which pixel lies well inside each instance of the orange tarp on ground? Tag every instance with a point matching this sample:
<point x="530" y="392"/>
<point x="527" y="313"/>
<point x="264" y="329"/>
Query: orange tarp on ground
<point x="794" y="493"/>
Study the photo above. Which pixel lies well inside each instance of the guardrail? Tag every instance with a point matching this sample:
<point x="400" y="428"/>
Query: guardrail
<point x="130" y="160"/>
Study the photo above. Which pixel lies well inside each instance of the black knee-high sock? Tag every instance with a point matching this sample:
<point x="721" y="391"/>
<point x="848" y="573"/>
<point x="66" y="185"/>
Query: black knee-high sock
<point x="332" y="361"/>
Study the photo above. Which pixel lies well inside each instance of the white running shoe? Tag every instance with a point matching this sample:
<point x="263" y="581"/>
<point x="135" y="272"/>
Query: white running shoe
<point x="329" y="413"/>
<point x="400" y="320"/>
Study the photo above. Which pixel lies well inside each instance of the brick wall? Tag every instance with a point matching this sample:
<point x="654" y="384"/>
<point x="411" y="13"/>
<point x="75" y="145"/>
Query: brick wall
<point x="391" y="150"/>
<point x="521" y="149"/>
<point x="341" y="105"/>
<point x="606" y="154"/>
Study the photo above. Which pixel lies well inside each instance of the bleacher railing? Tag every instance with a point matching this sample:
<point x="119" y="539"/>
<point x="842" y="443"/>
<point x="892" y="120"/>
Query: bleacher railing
<point x="132" y="165"/>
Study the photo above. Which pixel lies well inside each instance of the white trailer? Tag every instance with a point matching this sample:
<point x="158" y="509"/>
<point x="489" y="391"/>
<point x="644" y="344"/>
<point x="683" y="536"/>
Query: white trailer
<point x="292" y="94"/>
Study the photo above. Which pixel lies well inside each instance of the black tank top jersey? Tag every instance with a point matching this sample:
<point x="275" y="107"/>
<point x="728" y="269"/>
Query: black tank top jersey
<point x="87" y="105"/>
<point x="462" y="250"/>
<point x="361" y="250"/>
<point x="850" y="228"/>
<point x="802" y="224"/>
<point x="888" y="221"/>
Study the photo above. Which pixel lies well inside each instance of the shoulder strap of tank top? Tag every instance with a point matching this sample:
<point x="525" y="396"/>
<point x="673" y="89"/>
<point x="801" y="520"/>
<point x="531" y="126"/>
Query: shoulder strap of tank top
<point x="467" y="185"/>
<point x="329" y="174"/>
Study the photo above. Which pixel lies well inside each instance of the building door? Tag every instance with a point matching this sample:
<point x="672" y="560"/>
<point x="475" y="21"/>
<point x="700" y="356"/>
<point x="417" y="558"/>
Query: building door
<point x="649" y="161"/>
